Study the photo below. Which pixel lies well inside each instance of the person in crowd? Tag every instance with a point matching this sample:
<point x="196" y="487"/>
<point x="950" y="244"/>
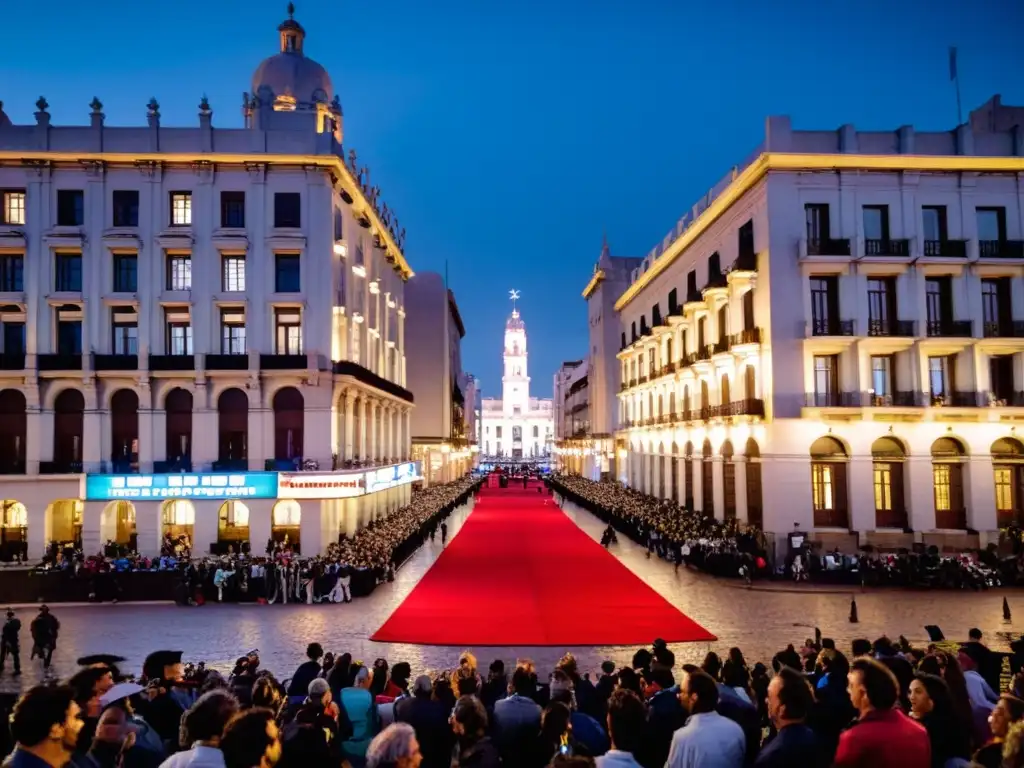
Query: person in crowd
<point x="398" y="683"/>
<point x="10" y="643"/>
<point x="314" y="736"/>
<point x="44" y="726"/>
<point x="44" y="629"/>
<point x="307" y="671"/>
<point x="340" y="675"/>
<point x="834" y="711"/>
<point x="202" y="728"/>
<point x="429" y="719"/>
<point x="979" y="691"/>
<point x="931" y="704"/>
<point x="266" y="693"/>
<point x="665" y="715"/>
<point x="555" y="737"/>
<point x="473" y="748"/>
<point x="1008" y="711"/>
<point x="947" y="666"/>
<point x="583" y="690"/>
<point x="380" y="678"/>
<point x="251" y="740"/>
<point x="790" y="702"/>
<point x="361" y="712"/>
<point x="517" y="717"/>
<point x="162" y="709"/>
<point x="607" y="682"/>
<point x="587" y="730"/>
<point x="113" y="739"/>
<point x="496" y="686"/>
<point x="707" y="740"/>
<point x="882" y="736"/>
<point x="394" y="747"/>
<point x="736" y="678"/>
<point x="627" y="729"/>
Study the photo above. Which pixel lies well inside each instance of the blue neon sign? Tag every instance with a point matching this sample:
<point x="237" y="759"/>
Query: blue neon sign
<point x="390" y="477"/>
<point x="203" y="485"/>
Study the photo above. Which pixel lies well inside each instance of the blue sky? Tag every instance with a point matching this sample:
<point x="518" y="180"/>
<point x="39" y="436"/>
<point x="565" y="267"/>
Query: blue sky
<point x="509" y="136"/>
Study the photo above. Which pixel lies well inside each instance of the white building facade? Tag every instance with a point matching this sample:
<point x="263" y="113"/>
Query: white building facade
<point x="202" y="329"/>
<point x="516" y="426"/>
<point x="834" y="338"/>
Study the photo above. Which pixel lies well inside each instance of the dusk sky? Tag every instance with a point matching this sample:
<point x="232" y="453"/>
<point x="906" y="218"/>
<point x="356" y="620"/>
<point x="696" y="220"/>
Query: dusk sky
<point x="509" y="136"/>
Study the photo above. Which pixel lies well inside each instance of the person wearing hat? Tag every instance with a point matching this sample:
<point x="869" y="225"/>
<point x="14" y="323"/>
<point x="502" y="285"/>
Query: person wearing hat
<point x="147" y="748"/>
<point x="10" y="642"/>
<point x="44" y="629"/>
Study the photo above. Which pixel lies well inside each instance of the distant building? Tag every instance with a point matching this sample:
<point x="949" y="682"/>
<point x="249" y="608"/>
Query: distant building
<point x="434" y="333"/>
<point x="516" y="426"/>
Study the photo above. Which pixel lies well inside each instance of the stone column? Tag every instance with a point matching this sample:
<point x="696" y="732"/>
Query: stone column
<point x="920" y="506"/>
<point x="374" y="430"/>
<point x="697" y="473"/>
<point x="364" y="423"/>
<point x="656" y="476"/>
<point x="146" y="416"/>
<point x="718" y="486"/>
<point x="861" y="484"/>
<point x="740" y="476"/>
<point x="350" y="409"/>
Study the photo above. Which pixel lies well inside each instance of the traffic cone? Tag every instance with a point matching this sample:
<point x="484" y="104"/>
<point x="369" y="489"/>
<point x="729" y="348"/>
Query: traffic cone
<point x="1006" y="612"/>
<point x="853" y="612"/>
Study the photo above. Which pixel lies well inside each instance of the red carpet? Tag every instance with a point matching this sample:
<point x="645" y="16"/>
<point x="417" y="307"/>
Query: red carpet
<point x="520" y="572"/>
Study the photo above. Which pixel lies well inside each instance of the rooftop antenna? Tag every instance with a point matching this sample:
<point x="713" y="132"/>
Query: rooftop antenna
<point x="514" y="296"/>
<point x="954" y="76"/>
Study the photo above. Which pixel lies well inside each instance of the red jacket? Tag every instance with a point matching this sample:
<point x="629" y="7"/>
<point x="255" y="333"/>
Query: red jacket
<point x="884" y="740"/>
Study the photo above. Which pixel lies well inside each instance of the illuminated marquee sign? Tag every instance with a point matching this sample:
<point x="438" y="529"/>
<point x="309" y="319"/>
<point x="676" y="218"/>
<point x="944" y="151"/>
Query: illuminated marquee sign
<point x="311" y="485"/>
<point x="241" y="485"/>
<point x="390" y="477"/>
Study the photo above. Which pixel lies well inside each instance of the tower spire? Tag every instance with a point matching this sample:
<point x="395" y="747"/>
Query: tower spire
<point x="514" y="296"/>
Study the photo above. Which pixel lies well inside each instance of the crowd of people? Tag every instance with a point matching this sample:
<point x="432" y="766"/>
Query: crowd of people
<point x="352" y="566"/>
<point x="727" y="549"/>
<point x="877" y="704"/>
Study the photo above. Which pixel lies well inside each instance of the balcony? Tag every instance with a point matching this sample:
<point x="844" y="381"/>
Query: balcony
<point x="1001" y="249"/>
<point x="748" y="407"/>
<point x="115" y="362"/>
<point x="283" y="362"/>
<point x="371" y="379"/>
<point x="12" y="361"/>
<point x="947" y="249"/>
<point x="956" y="400"/>
<point x="1005" y="330"/>
<point x="894" y="248"/>
<point x="829" y="327"/>
<point x="829" y="247"/>
<point x="59" y="362"/>
<point x="642" y="380"/>
<point x="891" y="328"/>
<point x="283" y="465"/>
<point x="231" y="465"/>
<point x="172" y="362"/>
<point x="172" y="466"/>
<point x="833" y="400"/>
<point x="950" y="329"/>
<point x="896" y="400"/>
<point x="60" y="468"/>
<point x="748" y="336"/>
<point x="720" y="347"/>
<point x="226" y="362"/>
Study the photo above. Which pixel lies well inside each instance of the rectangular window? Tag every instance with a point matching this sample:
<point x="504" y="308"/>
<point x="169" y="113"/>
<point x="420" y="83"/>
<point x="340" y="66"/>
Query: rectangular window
<point x="824" y="305"/>
<point x="125" y="204"/>
<point x="287" y="207"/>
<point x="339" y="233"/>
<point x="817" y="222"/>
<point x="881" y="306"/>
<point x="232" y="210"/>
<point x="942" y="481"/>
<point x="13" y="211"/>
<point x="70" y="207"/>
<point x="933" y="221"/>
<point x="938" y="303"/>
<point x="14" y="338"/>
<point x="1004" y="488"/>
<point x="179" y="273"/>
<point x="938" y="376"/>
<point x="826" y="377"/>
<point x="823" y="486"/>
<point x="126" y="273"/>
<point x="881" y="376"/>
<point x="497" y="433"/>
<point x="69" y="337"/>
<point x="67" y="272"/>
<point x="181" y="209"/>
<point x="287" y="273"/>
<point x="179" y="332"/>
<point x="233" y="274"/>
<point x="125" y="327"/>
<point x="876" y="222"/>
<point x="232" y="338"/>
<point x="883" y="487"/>
<point x="536" y="431"/>
<point x="288" y="331"/>
<point x="991" y="224"/>
<point x="12" y="273"/>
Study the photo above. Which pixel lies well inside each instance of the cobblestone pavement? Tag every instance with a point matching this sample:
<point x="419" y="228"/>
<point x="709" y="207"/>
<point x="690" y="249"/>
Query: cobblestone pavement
<point x="760" y="622"/>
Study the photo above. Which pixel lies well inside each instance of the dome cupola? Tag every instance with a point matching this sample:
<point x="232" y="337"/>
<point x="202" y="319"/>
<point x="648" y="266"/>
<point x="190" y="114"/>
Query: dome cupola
<point x="290" y="80"/>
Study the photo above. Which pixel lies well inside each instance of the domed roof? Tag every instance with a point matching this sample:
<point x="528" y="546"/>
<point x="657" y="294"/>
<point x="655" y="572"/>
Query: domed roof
<point x="515" y="322"/>
<point x="290" y="73"/>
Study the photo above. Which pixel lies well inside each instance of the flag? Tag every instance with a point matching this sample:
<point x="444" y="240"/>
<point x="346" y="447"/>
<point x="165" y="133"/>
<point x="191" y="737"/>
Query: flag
<point x="952" y="62"/>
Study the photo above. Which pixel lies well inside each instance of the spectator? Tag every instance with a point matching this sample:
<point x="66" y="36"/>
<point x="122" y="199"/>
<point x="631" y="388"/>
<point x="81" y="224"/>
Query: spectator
<point x="587" y="731"/>
<point x="790" y="700"/>
<point x="394" y="747"/>
<point x="882" y="737"/>
<point x="555" y="737"/>
<point x="113" y="738"/>
<point x="496" y="686"/>
<point x="359" y="708"/>
<point x="44" y="727"/>
<point x="202" y="728"/>
<point x="627" y="728"/>
<point x="708" y="740"/>
<point x="251" y="740"/>
<point x="932" y="706"/>
<point x="665" y="715"/>
<point x="429" y="720"/>
<point x="1007" y="712"/>
<point x="307" y="671"/>
<point x="517" y="718"/>
<point x="607" y="682"/>
<point x="473" y="748"/>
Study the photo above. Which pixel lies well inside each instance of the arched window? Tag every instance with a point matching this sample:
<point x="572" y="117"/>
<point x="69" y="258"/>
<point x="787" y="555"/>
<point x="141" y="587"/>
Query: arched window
<point x="728" y="479"/>
<point x="233" y="429"/>
<point x="68" y="431"/>
<point x="828" y="483"/>
<point x="887" y="459"/>
<point x="686" y="402"/>
<point x="1008" y="471"/>
<point x="124" y="428"/>
<point x="755" y="514"/>
<point x="178" y="407"/>
<point x="288" y="420"/>
<point x="672" y="403"/>
<point x="749" y="383"/>
<point x="725" y="394"/>
<point x="705" y="401"/>
<point x="688" y="475"/>
<point x="13" y="431"/>
<point x="707" y="480"/>
<point x="948" y="457"/>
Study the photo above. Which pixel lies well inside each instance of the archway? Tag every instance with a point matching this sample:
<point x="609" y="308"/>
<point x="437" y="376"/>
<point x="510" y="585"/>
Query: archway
<point x="63" y="523"/>
<point x="755" y="508"/>
<point x="948" y="457"/>
<point x="117" y="527"/>
<point x="688" y="475"/>
<point x="68" y="431"/>
<point x="177" y="526"/>
<point x="233" y="527"/>
<point x="828" y="483"/>
<point x="288" y="417"/>
<point x="124" y="431"/>
<point x="178" y="407"/>
<point x="661" y="470"/>
<point x="233" y="430"/>
<point x="707" y="479"/>
<point x="1008" y="471"/>
<point x="728" y="478"/>
<point x="887" y="460"/>
<point x="725" y="395"/>
<point x="13" y="530"/>
<point x="13" y="432"/>
<point x="287" y="517"/>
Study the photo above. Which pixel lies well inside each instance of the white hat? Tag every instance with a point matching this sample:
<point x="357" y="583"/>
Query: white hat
<point x="118" y="692"/>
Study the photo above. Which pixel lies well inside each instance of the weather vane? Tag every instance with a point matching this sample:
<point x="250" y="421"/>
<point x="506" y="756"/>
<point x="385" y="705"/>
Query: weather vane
<point x="514" y="295"/>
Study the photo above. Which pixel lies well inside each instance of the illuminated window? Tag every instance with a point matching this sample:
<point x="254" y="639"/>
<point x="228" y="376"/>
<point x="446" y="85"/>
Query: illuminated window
<point x="14" y="207"/>
<point x="287" y="514"/>
<point x="181" y="209"/>
<point x="179" y="273"/>
<point x="1004" y="488"/>
<point x="941" y="481"/>
<point x="233" y="275"/>
<point x="883" y="487"/>
<point x="822" y="484"/>
<point x="179" y="512"/>
<point x="14" y="514"/>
